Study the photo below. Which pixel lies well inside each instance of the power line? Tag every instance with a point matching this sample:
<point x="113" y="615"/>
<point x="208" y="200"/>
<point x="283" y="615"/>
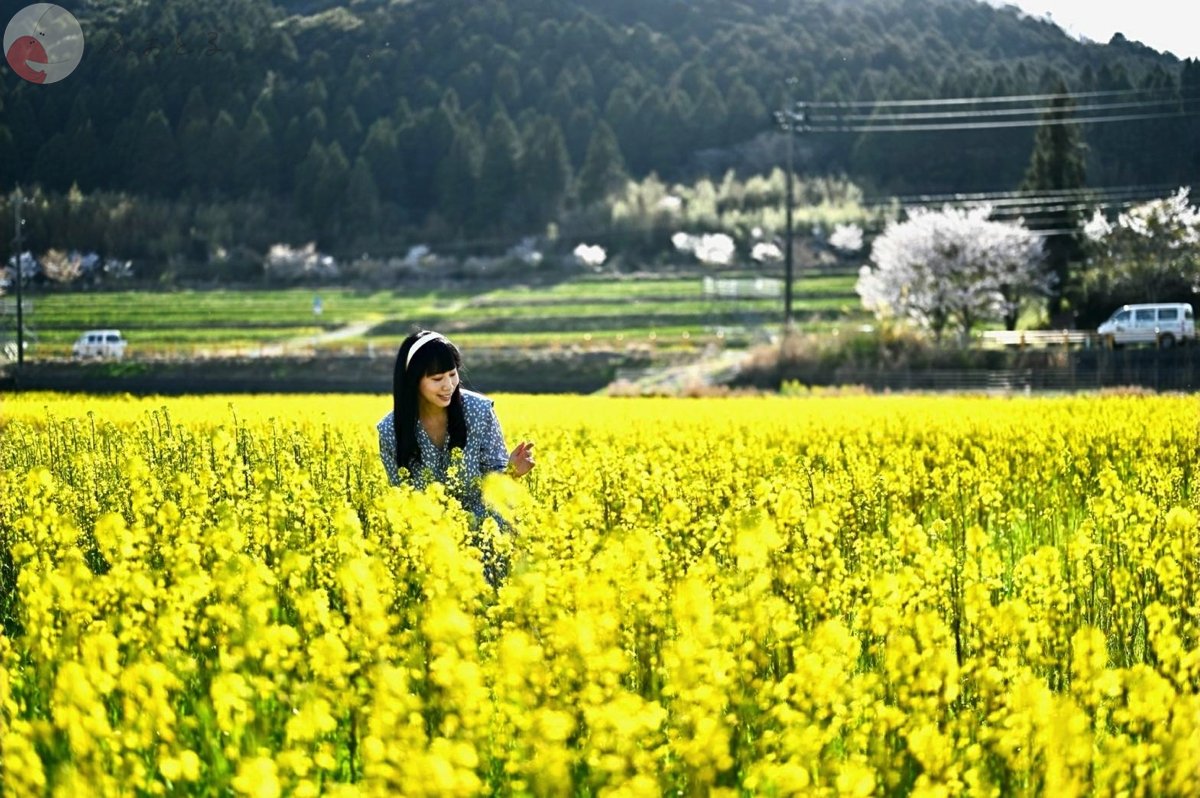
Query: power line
<point x="984" y="100"/>
<point x="1059" y="232"/>
<point x="1042" y="109"/>
<point x="1043" y="207"/>
<point x="961" y="196"/>
<point x="1017" y="202"/>
<point x="1042" y="204"/>
<point x="990" y="125"/>
<point x="1081" y="206"/>
<point x="801" y="116"/>
<point x="1008" y="202"/>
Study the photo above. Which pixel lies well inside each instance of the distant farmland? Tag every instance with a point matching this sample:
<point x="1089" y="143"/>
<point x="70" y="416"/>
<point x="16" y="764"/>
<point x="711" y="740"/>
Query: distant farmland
<point x="666" y="312"/>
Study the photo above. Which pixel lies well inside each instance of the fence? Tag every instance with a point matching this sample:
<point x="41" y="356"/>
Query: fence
<point x="1088" y="369"/>
<point x="743" y="288"/>
<point x="8" y="306"/>
<point x="1038" y="338"/>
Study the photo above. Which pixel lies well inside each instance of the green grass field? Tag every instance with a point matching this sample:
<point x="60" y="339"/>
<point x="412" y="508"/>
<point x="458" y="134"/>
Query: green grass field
<point x="589" y="311"/>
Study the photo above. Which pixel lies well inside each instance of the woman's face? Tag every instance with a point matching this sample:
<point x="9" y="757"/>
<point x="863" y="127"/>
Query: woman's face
<point x="436" y="389"/>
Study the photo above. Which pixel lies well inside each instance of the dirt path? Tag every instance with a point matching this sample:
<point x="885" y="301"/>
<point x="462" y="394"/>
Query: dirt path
<point x="291" y="345"/>
<point x="341" y="333"/>
<point x="715" y="369"/>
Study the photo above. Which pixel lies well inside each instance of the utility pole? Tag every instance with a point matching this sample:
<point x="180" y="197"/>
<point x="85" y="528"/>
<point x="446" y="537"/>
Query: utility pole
<point x="17" y="260"/>
<point x="788" y="118"/>
<point x="788" y="254"/>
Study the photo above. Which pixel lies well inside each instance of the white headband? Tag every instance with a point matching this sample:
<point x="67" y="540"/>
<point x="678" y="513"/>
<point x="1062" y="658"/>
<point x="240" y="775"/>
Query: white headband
<point x="422" y="339"/>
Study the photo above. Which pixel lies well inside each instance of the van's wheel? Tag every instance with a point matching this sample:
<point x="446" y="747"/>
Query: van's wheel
<point x="1166" y="341"/>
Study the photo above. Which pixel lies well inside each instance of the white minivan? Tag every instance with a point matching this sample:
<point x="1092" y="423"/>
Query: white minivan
<point x="100" y="343"/>
<point x="1163" y="324"/>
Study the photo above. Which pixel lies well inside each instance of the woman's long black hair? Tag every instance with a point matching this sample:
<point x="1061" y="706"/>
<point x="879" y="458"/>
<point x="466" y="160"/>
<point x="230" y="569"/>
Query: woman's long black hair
<point x="434" y="357"/>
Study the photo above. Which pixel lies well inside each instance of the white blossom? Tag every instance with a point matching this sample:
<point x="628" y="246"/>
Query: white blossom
<point x="526" y="251"/>
<point x="716" y="248"/>
<point x="765" y="251"/>
<point x="590" y="254"/>
<point x="62" y="267"/>
<point x="120" y="269"/>
<point x="89" y="262"/>
<point x="712" y="248"/>
<point x="29" y="268"/>
<point x="1153" y="249"/>
<point x="1097" y="228"/>
<point x="1172" y="216"/>
<point x="670" y="204"/>
<point x="416" y="254"/>
<point x="952" y="266"/>
<point x="288" y="263"/>
<point x="847" y="238"/>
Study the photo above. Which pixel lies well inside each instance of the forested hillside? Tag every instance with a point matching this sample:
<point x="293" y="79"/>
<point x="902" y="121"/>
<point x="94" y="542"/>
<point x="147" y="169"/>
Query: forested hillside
<point x="450" y="119"/>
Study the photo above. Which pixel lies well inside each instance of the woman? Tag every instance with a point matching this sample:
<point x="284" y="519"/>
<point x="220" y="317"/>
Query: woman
<point x="432" y="416"/>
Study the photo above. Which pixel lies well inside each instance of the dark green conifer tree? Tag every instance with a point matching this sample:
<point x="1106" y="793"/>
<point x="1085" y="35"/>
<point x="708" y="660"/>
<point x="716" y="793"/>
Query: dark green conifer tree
<point x="1057" y="165"/>
<point x="545" y="171"/>
<point x="458" y="177"/>
<point x="604" y="167"/>
<point x="495" y="201"/>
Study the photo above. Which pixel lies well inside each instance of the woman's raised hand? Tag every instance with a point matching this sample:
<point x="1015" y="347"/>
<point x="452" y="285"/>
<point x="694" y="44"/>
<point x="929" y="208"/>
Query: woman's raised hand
<point x="520" y="461"/>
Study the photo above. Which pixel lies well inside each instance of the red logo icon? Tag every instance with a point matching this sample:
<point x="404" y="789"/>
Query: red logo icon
<point x="43" y="43"/>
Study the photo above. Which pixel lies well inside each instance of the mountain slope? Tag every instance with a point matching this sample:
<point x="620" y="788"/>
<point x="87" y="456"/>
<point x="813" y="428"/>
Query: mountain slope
<point x="355" y="112"/>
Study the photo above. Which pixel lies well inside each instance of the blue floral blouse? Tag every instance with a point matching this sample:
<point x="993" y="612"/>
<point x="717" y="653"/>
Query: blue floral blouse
<point x="484" y="452"/>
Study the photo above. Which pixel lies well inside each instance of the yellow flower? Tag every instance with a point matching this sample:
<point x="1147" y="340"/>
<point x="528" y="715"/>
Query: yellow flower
<point x="310" y="721"/>
<point x="843" y="595"/>
<point x="257" y="778"/>
<point x="855" y="780"/>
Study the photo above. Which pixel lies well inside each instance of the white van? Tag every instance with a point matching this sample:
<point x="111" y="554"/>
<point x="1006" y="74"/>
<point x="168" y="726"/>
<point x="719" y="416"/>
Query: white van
<point x="1162" y="324"/>
<point x="100" y="343"/>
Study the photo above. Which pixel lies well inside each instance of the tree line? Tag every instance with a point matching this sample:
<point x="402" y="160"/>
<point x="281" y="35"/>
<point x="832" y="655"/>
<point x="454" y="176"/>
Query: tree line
<point x="374" y="124"/>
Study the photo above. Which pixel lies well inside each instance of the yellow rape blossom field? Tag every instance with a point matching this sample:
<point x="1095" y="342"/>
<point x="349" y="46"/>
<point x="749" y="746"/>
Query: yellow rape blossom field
<point x="859" y="596"/>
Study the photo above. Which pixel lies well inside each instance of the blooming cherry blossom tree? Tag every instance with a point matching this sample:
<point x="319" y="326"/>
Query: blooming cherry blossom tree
<point x="61" y="267"/>
<point x="952" y="267"/>
<point x="766" y="251"/>
<point x="846" y="238"/>
<point x="1152" y="252"/>
<point x="590" y="254"/>
<point x="712" y="248"/>
<point x="284" y="262"/>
